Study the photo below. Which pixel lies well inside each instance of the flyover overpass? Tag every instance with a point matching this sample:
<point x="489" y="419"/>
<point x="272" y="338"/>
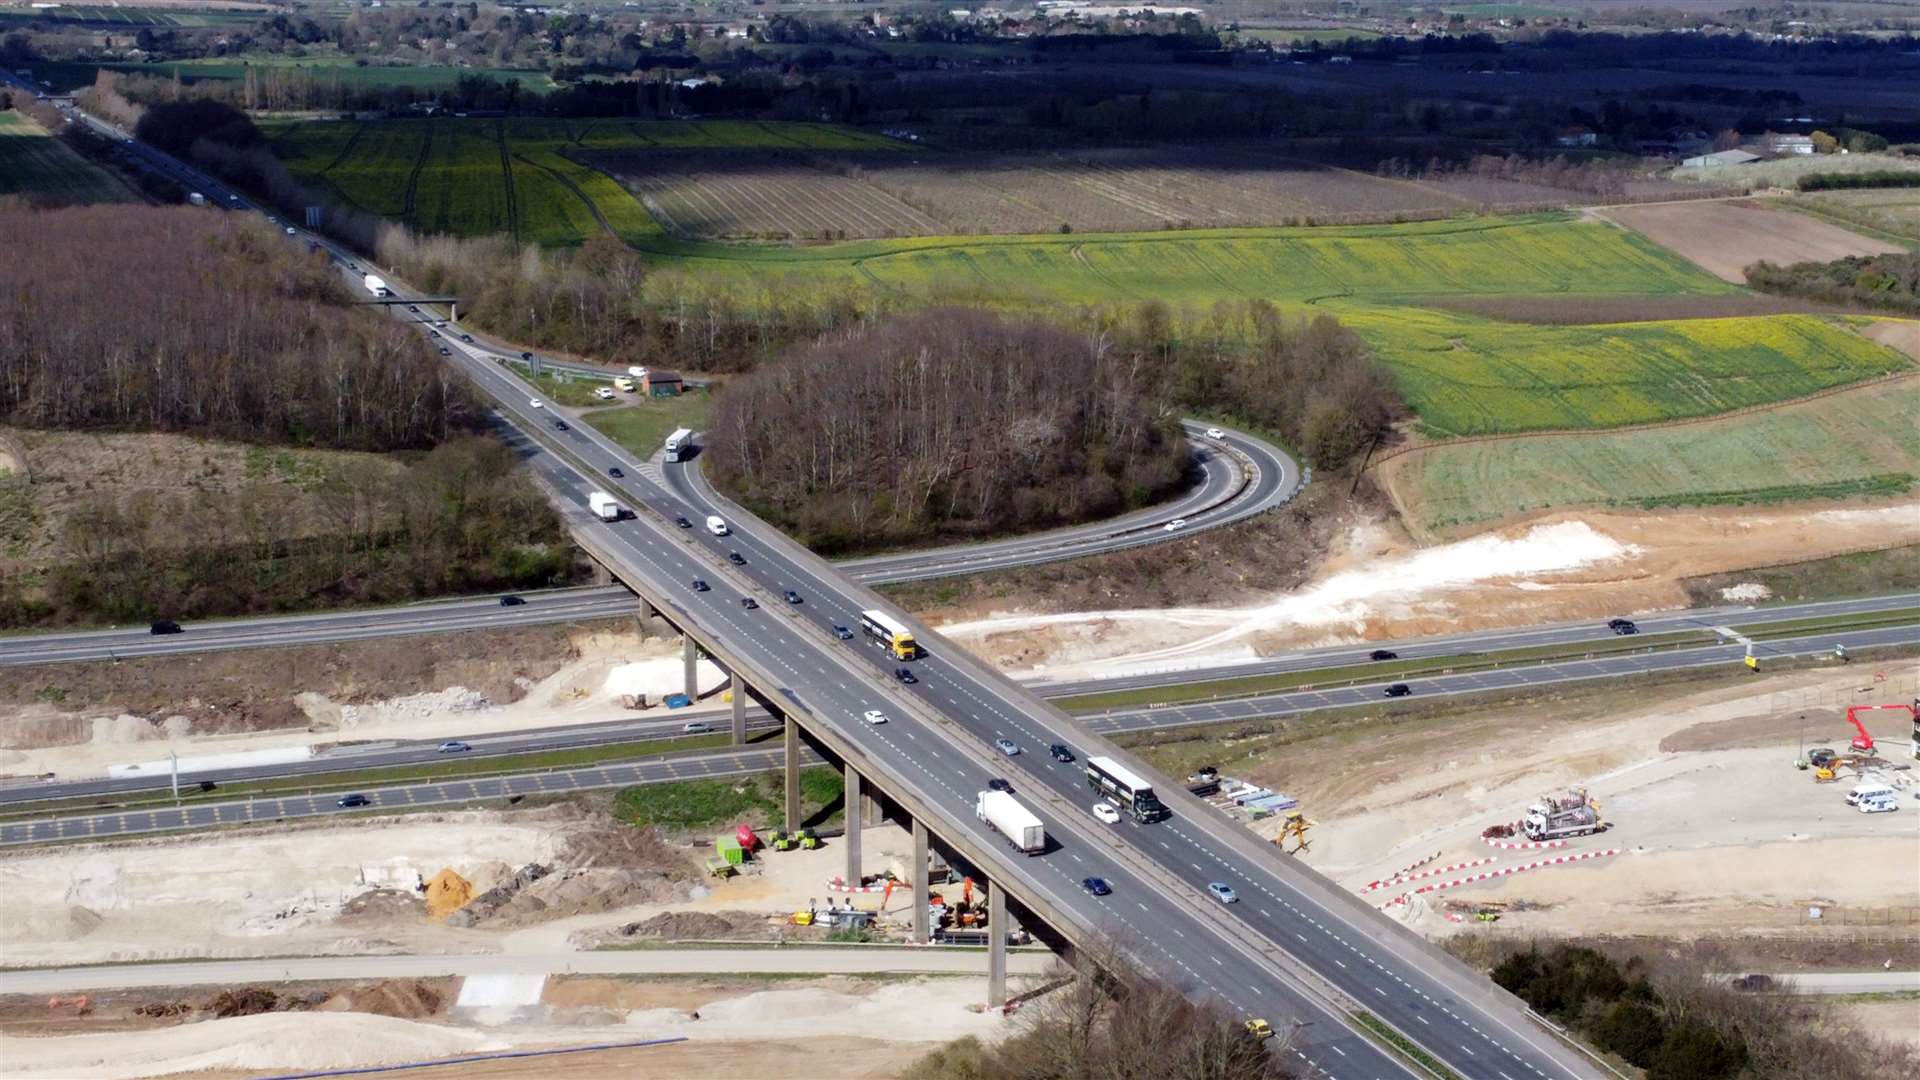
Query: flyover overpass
<point x="1296" y="950"/>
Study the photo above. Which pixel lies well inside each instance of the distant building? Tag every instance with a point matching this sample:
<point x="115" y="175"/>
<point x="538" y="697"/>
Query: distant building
<point x="1577" y="136"/>
<point x="1724" y="157"/>
<point x="1786" y="144"/>
<point x="657" y="384"/>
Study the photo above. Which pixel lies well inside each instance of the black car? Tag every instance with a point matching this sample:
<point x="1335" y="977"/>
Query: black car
<point x="749" y="603"/>
<point x="1626" y="628"/>
<point x="998" y="784"/>
<point x="616" y="473"/>
<point x="683" y="522"/>
<point x="1399" y="689"/>
<point x="355" y="800"/>
<point x="1060" y="753"/>
<point x="527" y="356"/>
<point x="511" y="601"/>
<point x="444" y="351"/>
<point x="413" y="309"/>
<point x="468" y="338"/>
<point x="1096" y="886"/>
<point x="905" y="675"/>
<point x="791" y="596"/>
<point x="1383" y="654"/>
<point x="842" y="633"/>
<point x="699" y="585"/>
<point x="736" y="558"/>
<point x="1615" y="624"/>
<point x="561" y="425"/>
<point x="433" y="333"/>
<point x="165" y="626"/>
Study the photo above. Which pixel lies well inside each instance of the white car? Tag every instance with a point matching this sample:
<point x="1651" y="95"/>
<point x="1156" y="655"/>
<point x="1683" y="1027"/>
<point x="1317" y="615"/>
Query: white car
<point x="603" y="393"/>
<point x="1105" y="812"/>
<point x="533" y="402"/>
<point x="874" y="716"/>
<point x="289" y="230"/>
<point x="1215" y="433"/>
<point x="1175" y="525"/>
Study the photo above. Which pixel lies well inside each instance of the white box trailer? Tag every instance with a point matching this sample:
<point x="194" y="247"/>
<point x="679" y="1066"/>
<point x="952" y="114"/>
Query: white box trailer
<point x="376" y="285"/>
<point x="1004" y="815"/>
<point x="604" y="506"/>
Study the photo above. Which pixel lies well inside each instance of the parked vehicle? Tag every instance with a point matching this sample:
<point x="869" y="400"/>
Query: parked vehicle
<point x="1883" y="804"/>
<point x="1556" y="824"/>
<point x="1004" y="814"/>
<point x="676" y="701"/>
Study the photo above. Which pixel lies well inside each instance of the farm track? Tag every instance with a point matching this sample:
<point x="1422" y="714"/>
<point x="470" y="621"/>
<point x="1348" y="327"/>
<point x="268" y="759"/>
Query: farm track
<point x="346" y="151"/>
<point x="1692" y="421"/>
<point x="567" y="182"/>
<point x="413" y="178"/>
<point x="506" y="170"/>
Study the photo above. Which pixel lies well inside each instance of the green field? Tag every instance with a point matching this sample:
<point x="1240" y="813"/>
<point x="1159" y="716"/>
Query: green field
<point x="643" y="426"/>
<point x="1864" y="442"/>
<point x="1892" y="213"/>
<point x="1463" y="374"/>
<point x="43" y="169"/>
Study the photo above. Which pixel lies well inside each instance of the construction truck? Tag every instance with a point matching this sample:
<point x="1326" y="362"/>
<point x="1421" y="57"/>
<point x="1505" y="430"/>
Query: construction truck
<point x="1559" y="824"/>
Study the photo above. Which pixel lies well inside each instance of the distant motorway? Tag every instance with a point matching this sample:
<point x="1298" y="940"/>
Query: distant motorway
<point x="733" y="761"/>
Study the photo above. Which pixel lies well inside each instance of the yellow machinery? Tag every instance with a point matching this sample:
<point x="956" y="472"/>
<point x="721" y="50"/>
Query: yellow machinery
<point x="1259" y="1029"/>
<point x="1295" y="826"/>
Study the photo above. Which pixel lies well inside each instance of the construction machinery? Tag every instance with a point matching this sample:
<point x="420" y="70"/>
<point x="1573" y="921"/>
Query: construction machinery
<point x="1259" y="1029"/>
<point x="1295" y="826"/>
<point x="804" y="840"/>
<point x="1556" y="817"/>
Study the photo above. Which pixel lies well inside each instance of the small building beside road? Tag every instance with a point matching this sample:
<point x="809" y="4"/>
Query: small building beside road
<point x="658" y="384"/>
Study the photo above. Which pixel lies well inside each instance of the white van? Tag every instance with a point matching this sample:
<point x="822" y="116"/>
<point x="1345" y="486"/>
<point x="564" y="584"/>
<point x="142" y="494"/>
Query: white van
<point x="1879" y="804"/>
<point x="1863" y="792"/>
<point x="718" y="527"/>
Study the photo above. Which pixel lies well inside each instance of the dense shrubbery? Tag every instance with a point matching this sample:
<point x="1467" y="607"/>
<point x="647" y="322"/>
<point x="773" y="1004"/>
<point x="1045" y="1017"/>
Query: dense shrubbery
<point x="1882" y="281"/>
<point x="951" y="421"/>
<point x="1879" y="178"/>
<point x="183" y="320"/>
<point x="459" y="519"/>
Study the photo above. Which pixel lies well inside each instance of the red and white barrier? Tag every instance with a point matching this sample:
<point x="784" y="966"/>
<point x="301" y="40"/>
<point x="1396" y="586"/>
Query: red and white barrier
<point x="1405" y="870"/>
<point x="1405" y="877"/>
<point x="1505" y="871"/>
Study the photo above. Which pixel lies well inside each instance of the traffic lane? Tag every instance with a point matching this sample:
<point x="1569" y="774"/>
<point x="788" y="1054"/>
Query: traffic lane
<point x="1347" y="961"/>
<point x="319" y="628"/>
<point x="1268" y="705"/>
<point x="392" y="797"/>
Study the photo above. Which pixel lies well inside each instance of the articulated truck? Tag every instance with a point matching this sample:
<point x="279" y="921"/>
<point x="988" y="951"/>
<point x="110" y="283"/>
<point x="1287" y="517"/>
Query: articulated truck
<point x="1004" y="815"/>
<point x="377" y="286"/>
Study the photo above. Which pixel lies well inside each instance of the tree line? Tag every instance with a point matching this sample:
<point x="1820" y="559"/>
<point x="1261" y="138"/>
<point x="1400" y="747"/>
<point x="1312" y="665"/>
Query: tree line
<point x="947" y="422"/>
<point x="1890" y="282"/>
<point x="189" y="320"/>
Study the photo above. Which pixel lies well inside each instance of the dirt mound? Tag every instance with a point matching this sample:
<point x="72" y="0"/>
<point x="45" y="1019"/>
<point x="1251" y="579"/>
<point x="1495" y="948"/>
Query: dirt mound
<point x="381" y="904"/>
<point x="584" y="892"/>
<point x="611" y="844"/>
<point x="698" y="925"/>
<point x="408" y="999"/>
<point x="484" y="906"/>
<point x="248" y="1001"/>
<point x="447" y="893"/>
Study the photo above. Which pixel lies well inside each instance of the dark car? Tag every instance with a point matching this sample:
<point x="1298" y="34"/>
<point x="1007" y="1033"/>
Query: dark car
<point x="998" y="784"/>
<point x="1096" y="886"/>
<point x="749" y="603"/>
<point x="1060" y="753"/>
<point x="433" y="333"/>
<point x="444" y="351"/>
<point x="165" y="626"/>
<point x="1383" y="654"/>
<point x="1399" y="689"/>
<point x="1615" y="624"/>
<point x="561" y="425"/>
<point x="791" y="596"/>
<point x="905" y="675"/>
<point x="683" y="522"/>
<point x="527" y="356"/>
<point x="617" y="473"/>
<point x="511" y="601"/>
<point x="412" y="308"/>
<point x="699" y="585"/>
<point x="842" y="633"/>
<point x="736" y="558"/>
<point x="355" y="800"/>
<point x="1626" y="628"/>
<point x="468" y="338"/>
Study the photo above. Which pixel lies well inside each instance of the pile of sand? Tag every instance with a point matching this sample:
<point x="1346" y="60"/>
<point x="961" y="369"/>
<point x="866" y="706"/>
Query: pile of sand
<point x="244" y="1044"/>
<point x="407" y="999"/>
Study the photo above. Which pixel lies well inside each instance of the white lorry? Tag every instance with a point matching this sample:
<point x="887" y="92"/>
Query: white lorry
<point x="717" y="525"/>
<point x="196" y="198"/>
<point x="376" y="285"/>
<point x="604" y="506"/>
<point x="1004" y="815"/>
<point x="1560" y="824"/>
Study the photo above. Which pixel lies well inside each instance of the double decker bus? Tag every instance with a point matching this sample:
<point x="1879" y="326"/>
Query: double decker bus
<point x="1122" y="786"/>
<point x="892" y="636"/>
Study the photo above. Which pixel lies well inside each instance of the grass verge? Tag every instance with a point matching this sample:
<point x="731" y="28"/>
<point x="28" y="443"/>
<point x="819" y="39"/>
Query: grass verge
<point x="643" y="426"/>
<point x="1866" y="573"/>
<point x="754" y="800"/>
<point x="1378" y="1030"/>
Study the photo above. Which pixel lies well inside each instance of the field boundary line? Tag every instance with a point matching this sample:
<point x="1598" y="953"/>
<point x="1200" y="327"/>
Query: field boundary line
<point x="506" y="172"/>
<point x="347" y="150"/>
<point x="567" y="182"/>
<point x="1692" y="421"/>
<point x="413" y="177"/>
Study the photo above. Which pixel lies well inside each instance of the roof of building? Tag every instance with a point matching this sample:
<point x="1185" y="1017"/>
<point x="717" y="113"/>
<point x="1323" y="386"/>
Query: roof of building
<point x="1726" y="157"/>
<point x="662" y="376"/>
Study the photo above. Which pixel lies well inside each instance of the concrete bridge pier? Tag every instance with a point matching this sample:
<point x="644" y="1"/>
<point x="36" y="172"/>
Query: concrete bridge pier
<point x="691" y="658"/>
<point x="739" y="691"/>
<point x="996" y="946"/>
<point x="922" y="894"/>
<point x="854" y="800"/>
<point x="792" y="743"/>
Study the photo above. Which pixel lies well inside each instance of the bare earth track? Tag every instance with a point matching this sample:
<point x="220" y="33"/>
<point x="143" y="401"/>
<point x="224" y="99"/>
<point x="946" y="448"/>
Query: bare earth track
<point x="1724" y="238"/>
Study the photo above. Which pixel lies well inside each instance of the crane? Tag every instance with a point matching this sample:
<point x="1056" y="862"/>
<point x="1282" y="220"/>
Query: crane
<point x="1862" y="741"/>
